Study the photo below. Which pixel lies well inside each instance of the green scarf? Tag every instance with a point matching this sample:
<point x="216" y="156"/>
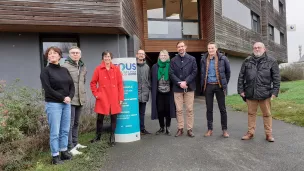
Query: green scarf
<point x="163" y="69"/>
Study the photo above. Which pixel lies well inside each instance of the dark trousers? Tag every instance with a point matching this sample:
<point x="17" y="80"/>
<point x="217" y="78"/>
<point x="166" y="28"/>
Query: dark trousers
<point x="163" y="109"/>
<point x="212" y="89"/>
<point x="142" y="111"/>
<point x="99" y="123"/>
<point x="73" y="134"/>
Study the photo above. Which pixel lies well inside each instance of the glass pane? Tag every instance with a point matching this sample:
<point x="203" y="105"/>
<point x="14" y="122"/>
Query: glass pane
<point x="190" y="30"/>
<point x="164" y="29"/>
<point x="155" y="9"/>
<point x="173" y="9"/>
<point x="190" y="10"/>
<point x="64" y="46"/>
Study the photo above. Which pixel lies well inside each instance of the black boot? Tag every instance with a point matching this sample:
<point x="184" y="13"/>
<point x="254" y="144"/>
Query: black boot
<point x="97" y="138"/>
<point x="112" y="140"/>
<point x="160" y="131"/>
<point x="56" y="160"/>
<point x="65" y="155"/>
<point x="168" y="132"/>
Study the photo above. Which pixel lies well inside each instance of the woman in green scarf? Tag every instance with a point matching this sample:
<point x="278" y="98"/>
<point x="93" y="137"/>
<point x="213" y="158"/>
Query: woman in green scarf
<point x="162" y="97"/>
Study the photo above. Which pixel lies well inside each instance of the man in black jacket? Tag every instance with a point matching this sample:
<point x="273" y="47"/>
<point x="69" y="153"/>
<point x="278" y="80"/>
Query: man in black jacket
<point x="183" y="70"/>
<point x="215" y="75"/>
<point x="258" y="84"/>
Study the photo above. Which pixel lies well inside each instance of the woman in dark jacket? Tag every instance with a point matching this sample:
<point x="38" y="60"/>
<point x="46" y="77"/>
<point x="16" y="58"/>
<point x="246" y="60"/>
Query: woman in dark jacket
<point x="162" y="95"/>
<point x="59" y="90"/>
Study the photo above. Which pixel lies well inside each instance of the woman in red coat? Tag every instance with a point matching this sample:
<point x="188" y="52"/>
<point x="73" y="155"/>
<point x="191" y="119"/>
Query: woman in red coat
<point x="109" y="94"/>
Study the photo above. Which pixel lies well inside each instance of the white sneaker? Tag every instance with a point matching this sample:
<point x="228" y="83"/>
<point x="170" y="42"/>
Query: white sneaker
<point x="80" y="146"/>
<point x="75" y="152"/>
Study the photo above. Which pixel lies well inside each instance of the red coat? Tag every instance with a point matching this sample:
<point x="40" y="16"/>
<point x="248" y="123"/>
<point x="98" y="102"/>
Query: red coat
<point x="109" y="92"/>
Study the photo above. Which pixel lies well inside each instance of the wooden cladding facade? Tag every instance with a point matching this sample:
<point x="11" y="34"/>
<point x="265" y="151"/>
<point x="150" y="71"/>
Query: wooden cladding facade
<point x="90" y="16"/>
<point x="238" y="40"/>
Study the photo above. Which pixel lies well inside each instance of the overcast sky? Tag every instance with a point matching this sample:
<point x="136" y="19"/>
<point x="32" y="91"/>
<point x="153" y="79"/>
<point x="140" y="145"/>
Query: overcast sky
<point x="295" y="15"/>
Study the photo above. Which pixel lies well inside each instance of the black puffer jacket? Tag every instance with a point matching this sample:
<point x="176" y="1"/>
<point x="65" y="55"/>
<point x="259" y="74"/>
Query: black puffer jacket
<point x="259" y="79"/>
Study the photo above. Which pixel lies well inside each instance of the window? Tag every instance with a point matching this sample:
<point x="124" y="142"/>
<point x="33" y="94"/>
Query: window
<point x="281" y="7"/>
<point x="255" y="22"/>
<point x="282" y="38"/>
<point x="63" y="42"/>
<point x="173" y="19"/>
<point x="271" y="32"/>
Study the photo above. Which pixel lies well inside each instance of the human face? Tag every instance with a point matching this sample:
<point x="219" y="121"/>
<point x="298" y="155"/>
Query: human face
<point x="212" y="49"/>
<point x="107" y="58"/>
<point x="181" y="48"/>
<point x="258" y="49"/>
<point x="53" y="57"/>
<point x="141" y="55"/>
<point x="163" y="57"/>
<point x="75" y="54"/>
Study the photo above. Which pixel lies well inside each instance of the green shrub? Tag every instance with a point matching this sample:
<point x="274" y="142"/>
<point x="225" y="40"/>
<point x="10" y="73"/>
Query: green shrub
<point x="292" y="72"/>
<point x="22" y="112"/>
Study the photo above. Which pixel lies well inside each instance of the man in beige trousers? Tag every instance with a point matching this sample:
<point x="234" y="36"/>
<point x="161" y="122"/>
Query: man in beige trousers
<point x="183" y="70"/>
<point x="258" y="84"/>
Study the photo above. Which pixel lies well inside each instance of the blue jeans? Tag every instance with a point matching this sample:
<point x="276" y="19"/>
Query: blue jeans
<point x="59" y="118"/>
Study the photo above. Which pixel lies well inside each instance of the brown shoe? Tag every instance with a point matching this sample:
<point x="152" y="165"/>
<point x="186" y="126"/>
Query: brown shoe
<point x="248" y="136"/>
<point x="208" y="133"/>
<point x="269" y="138"/>
<point x="225" y="134"/>
<point x="179" y="132"/>
<point x="190" y="133"/>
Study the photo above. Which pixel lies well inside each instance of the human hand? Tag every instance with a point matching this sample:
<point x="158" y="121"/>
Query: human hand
<point x="183" y="85"/>
<point x="121" y="102"/>
<point x="242" y="94"/>
<point x="273" y="97"/>
<point x="67" y="100"/>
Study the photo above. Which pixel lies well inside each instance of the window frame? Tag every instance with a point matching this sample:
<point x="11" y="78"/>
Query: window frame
<point x="270" y="36"/>
<point x="253" y="14"/>
<point x="182" y="20"/>
<point x="281" y="7"/>
<point x="282" y="38"/>
<point x="73" y="38"/>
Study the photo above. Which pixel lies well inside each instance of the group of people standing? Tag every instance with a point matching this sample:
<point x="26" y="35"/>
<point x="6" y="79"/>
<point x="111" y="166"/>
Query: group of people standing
<point x="172" y="84"/>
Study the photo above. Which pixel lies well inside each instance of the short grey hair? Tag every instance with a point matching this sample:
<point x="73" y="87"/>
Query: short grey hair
<point x="74" y="47"/>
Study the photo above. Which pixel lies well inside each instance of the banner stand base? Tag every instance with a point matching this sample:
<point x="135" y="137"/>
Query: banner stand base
<point x="124" y="138"/>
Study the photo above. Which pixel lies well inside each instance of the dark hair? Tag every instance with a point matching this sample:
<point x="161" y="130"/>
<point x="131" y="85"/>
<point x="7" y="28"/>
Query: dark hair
<point x="180" y="42"/>
<point x="106" y="53"/>
<point x="54" y="48"/>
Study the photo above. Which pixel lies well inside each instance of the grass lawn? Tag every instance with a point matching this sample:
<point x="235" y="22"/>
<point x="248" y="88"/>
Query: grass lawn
<point x="288" y="107"/>
<point x="92" y="158"/>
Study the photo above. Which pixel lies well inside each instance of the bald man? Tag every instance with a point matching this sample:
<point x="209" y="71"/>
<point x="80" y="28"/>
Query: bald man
<point x="259" y="83"/>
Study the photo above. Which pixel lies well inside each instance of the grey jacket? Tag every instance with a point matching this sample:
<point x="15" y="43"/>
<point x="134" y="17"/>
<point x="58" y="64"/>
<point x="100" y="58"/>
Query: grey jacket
<point x="144" y="82"/>
<point x="78" y="73"/>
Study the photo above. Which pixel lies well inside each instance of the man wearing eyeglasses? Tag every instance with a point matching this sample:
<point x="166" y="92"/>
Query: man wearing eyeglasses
<point x="78" y="73"/>
<point x="144" y="87"/>
<point x="183" y="70"/>
<point x="258" y="84"/>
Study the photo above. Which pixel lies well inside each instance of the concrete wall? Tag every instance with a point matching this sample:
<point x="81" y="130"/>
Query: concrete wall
<point x="235" y="66"/>
<point x="19" y="58"/>
<point x="20" y="55"/>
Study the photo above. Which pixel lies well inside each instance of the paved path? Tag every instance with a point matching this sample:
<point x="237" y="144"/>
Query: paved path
<point x="167" y="153"/>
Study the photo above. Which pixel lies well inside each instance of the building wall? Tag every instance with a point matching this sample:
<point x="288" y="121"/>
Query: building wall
<point x="235" y="66"/>
<point x="20" y="55"/>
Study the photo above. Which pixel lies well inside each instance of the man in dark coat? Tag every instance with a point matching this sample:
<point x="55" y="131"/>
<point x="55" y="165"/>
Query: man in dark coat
<point x="215" y="70"/>
<point x="183" y="70"/>
<point x="258" y="84"/>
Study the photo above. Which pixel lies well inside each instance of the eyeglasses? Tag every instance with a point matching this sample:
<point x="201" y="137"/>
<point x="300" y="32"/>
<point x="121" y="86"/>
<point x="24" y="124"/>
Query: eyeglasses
<point x="75" y="53"/>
